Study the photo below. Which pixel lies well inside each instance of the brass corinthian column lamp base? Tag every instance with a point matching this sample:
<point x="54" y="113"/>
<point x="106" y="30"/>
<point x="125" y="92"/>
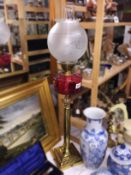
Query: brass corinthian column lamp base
<point x="67" y="155"/>
<point x="63" y="160"/>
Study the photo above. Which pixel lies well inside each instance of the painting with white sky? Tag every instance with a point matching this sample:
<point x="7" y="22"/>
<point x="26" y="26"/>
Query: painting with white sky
<point x="19" y="112"/>
<point x="23" y="123"/>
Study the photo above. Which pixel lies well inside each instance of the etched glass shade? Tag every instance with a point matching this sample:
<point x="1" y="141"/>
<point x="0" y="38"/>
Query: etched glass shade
<point x="4" y="32"/>
<point x="67" y="41"/>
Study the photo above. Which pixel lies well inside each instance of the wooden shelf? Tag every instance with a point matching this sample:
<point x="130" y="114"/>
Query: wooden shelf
<point x="17" y="20"/>
<point x="37" y="52"/>
<point x="32" y="37"/>
<point x="92" y="25"/>
<point x="108" y="74"/>
<point x="10" y="74"/>
<point x="37" y="22"/>
<point x="77" y="8"/>
<point x="111" y="24"/>
<point x="88" y="25"/>
<point x="114" y="71"/>
<point x="36" y="9"/>
<point x="12" y="21"/>
<point x="23" y="22"/>
<point x="39" y="61"/>
<point x="98" y="24"/>
<point x="11" y="2"/>
<point x="45" y="72"/>
<point x="87" y="83"/>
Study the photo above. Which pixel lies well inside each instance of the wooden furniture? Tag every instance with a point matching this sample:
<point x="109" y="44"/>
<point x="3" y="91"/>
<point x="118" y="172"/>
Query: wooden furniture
<point x="96" y="80"/>
<point x="37" y="24"/>
<point x="33" y="21"/>
<point x="13" y="13"/>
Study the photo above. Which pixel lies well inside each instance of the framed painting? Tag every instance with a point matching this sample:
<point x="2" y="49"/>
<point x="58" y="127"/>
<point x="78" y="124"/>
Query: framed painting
<point x="120" y="112"/>
<point x="120" y="115"/>
<point x="26" y="115"/>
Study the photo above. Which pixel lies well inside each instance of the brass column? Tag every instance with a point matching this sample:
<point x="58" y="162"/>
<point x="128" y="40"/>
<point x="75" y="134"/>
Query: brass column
<point x="67" y="155"/>
<point x="67" y="114"/>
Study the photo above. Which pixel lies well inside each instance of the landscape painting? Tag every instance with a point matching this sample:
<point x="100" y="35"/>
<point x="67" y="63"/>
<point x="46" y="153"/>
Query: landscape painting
<point x="21" y="125"/>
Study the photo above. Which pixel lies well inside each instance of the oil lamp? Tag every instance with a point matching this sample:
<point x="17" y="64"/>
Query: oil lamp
<point x="5" y="59"/>
<point x="4" y="32"/>
<point x="67" y="42"/>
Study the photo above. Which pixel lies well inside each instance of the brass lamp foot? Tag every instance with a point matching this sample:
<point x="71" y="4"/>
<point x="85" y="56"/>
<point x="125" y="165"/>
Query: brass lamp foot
<point x="66" y="161"/>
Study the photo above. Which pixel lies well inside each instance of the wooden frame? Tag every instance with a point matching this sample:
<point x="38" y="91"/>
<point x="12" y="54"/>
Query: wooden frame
<point x="122" y="108"/>
<point x="23" y="109"/>
<point x="120" y="115"/>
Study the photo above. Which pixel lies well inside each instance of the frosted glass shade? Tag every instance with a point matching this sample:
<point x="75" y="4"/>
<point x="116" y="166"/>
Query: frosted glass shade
<point x="4" y="32"/>
<point x="67" y="41"/>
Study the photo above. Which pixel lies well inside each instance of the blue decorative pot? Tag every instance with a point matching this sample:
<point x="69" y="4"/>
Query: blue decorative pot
<point x="94" y="138"/>
<point x="119" y="160"/>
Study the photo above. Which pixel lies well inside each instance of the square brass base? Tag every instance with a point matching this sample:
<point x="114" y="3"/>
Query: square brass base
<point x="65" y="162"/>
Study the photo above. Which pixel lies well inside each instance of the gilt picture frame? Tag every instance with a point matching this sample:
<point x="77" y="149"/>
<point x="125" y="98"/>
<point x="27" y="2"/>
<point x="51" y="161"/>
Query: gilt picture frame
<point x="120" y="111"/>
<point x="27" y="115"/>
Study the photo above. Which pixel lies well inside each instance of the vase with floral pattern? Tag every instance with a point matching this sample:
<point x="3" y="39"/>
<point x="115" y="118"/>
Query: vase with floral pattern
<point x="119" y="160"/>
<point x="94" y="138"/>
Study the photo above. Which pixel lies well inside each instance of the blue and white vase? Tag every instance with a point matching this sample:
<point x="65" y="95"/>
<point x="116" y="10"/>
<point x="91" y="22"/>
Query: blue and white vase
<point x="94" y="138"/>
<point x="119" y="160"/>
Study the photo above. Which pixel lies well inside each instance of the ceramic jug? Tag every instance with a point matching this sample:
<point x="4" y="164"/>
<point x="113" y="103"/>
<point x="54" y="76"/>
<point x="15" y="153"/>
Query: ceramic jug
<point x="94" y="138"/>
